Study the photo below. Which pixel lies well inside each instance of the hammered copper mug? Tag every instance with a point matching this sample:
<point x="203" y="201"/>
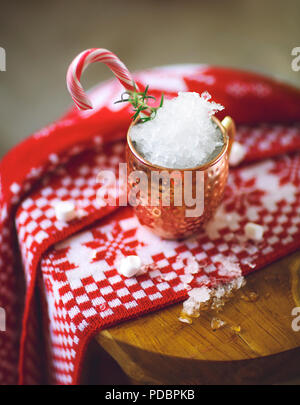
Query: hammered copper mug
<point x="170" y="220"/>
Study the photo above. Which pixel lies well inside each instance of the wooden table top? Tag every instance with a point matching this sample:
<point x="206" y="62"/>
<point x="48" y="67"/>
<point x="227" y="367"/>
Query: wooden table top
<point x="257" y="344"/>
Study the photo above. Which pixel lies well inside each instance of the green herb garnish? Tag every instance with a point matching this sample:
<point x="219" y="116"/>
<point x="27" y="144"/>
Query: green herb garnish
<point x="138" y="100"/>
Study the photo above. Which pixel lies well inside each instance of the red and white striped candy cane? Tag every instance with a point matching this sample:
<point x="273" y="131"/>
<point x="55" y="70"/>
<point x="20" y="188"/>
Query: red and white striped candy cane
<point x="81" y="62"/>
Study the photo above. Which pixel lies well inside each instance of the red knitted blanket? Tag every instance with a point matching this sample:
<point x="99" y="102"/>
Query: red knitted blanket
<point x="71" y="288"/>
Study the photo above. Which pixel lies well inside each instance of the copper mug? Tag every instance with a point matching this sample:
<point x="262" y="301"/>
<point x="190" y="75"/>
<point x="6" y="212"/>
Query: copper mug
<point x="162" y="214"/>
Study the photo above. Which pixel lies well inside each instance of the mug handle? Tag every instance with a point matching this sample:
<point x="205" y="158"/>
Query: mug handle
<point x="229" y="126"/>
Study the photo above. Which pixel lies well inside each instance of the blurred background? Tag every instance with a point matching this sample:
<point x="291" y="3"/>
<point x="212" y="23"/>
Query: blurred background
<point x="42" y="37"/>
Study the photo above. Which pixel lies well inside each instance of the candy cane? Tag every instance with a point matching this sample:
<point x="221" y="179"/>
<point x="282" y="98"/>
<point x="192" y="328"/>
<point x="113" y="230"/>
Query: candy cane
<point x="81" y="62"/>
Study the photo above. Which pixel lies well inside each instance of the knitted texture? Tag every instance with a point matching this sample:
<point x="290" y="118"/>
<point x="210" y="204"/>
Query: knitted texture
<point x="79" y="287"/>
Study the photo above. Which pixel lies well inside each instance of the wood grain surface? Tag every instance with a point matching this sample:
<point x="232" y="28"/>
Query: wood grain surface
<point x="257" y="344"/>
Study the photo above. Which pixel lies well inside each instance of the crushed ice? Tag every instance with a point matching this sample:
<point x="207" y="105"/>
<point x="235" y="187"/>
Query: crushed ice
<point x="215" y="297"/>
<point x="182" y="135"/>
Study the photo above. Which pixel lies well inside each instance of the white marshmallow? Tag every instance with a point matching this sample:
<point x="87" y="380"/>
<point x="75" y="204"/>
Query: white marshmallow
<point x="65" y="211"/>
<point x="130" y="266"/>
<point x="254" y="231"/>
<point x="237" y="153"/>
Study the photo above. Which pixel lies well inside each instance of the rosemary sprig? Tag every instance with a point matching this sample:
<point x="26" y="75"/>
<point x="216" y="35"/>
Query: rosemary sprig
<point x="138" y="100"/>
